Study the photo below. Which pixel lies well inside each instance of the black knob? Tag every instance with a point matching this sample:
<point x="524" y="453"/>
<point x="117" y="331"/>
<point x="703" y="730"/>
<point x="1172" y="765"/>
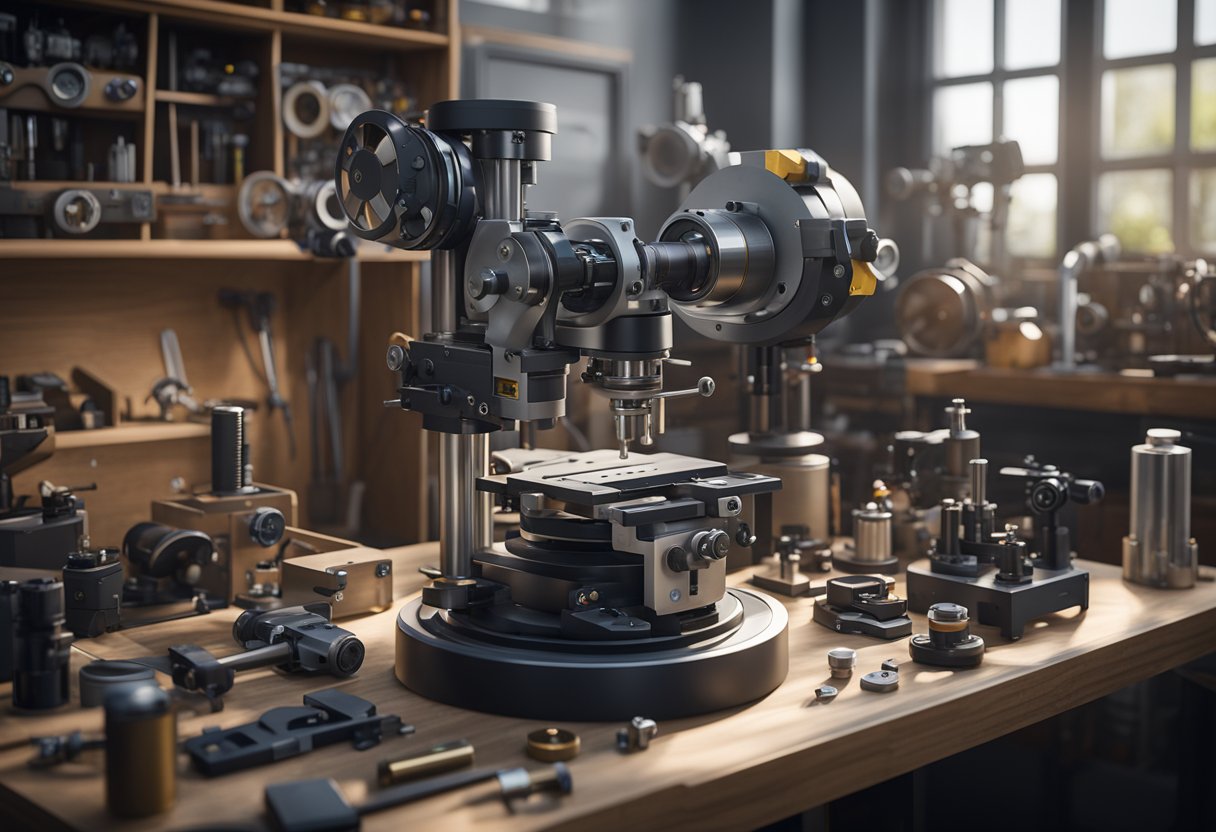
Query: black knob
<point x="949" y="625"/>
<point x="266" y="526"/>
<point x="713" y="544"/>
<point x="346" y="656"/>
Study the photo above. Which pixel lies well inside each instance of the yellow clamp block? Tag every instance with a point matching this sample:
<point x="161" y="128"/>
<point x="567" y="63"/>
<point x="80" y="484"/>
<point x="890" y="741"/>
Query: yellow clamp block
<point x="785" y="164"/>
<point x="865" y="279"/>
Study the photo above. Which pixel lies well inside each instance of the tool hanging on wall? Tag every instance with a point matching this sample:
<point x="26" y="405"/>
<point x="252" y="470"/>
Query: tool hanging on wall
<point x="331" y="500"/>
<point x="259" y="307"/>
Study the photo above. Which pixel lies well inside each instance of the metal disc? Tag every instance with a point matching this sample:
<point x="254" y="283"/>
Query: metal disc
<point x="645" y="676"/>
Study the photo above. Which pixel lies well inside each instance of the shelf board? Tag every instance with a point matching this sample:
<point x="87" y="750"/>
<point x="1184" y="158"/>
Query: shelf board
<point x="54" y="249"/>
<point x="256" y="18"/>
<point x="198" y="99"/>
<point x="130" y="434"/>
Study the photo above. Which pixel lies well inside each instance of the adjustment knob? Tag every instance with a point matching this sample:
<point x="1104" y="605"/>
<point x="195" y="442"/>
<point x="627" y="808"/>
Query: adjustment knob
<point x="488" y="282"/>
<point x="712" y="545"/>
<point x="266" y="526"/>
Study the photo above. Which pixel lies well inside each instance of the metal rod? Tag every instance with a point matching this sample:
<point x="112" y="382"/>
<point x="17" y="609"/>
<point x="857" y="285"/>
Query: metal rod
<point x="503" y="189"/>
<point x="443" y="292"/>
<point x="262" y="656"/>
<point x="465" y="519"/>
<point x="979" y="481"/>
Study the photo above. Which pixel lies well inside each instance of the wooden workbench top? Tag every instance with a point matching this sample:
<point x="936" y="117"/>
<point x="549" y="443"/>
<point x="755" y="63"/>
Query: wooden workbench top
<point x="736" y="769"/>
<point x="1132" y="392"/>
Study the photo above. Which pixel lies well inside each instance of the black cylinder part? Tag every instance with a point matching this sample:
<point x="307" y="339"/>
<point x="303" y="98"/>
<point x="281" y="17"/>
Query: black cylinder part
<point x="162" y="551"/>
<point x="41" y="646"/>
<point x="227" y="450"/>
<point x="949" y="642"/>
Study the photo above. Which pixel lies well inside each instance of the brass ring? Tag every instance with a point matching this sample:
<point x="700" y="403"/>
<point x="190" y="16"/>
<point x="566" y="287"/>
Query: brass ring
<point x="553" y="745"/>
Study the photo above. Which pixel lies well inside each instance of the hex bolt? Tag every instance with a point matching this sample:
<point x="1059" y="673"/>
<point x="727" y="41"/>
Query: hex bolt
<point x="841" y="661"/>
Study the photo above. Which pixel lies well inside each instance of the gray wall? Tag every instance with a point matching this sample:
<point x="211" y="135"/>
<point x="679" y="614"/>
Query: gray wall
<point x="645" y="27"/>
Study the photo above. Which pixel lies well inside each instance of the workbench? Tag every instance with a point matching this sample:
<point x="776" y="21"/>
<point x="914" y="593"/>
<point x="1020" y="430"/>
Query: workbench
<point x="735" y="769"/>
<point x="1135" y="392"/>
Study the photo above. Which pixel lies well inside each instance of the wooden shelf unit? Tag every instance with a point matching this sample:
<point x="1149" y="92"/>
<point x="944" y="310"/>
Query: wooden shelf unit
<point x="130" y="433"/>
<point x="100" y="304"/>
<point x="284" y="250"/>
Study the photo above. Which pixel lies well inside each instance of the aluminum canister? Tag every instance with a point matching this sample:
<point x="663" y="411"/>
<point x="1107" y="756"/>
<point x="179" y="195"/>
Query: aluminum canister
<point x="1159" y="550"/>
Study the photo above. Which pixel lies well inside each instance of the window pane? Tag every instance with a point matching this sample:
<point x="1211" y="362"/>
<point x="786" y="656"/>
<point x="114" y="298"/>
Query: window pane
<point x="1031" y="231"/>
<point x="1135" y="205"/>
<point x="1032" y="33"/>
<point x="1137" y="111"/>
<point x="1205" y="21"/>
<point x="1203" y="210"/>
<point x="962" y="43"/>
<point x="962" y="115"/>
<point x="1032" y="117"/>
<point x="1203" y="104"/>
<point x="1136" y="27"/>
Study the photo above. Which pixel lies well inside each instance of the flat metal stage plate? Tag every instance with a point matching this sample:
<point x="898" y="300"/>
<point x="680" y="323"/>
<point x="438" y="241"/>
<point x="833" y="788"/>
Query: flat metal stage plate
<point x="597" y="477"/>
<point x="651" y="678"/>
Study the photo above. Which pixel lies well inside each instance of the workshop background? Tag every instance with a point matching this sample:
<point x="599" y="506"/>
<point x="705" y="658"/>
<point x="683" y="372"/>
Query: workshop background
<point x="166" y="240"/>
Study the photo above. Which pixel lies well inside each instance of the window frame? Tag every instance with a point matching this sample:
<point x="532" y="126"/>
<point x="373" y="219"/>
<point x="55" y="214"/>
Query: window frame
<point x="1182" y="160"/>
<point x="997" y="77"/>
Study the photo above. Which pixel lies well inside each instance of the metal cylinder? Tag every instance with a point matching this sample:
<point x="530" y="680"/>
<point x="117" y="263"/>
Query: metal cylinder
<point x="41" y="646"/>
<point x="443" y="291"/>
<point x="502" y="189"/>
<point x="979" y="481"/>
<point x="466" y="523"/>
<point x="141" y="752"/>
<point x="227" y="450"/>
<point x="1159" y="550"/>
<point x="805" y="489"/>
<point x="872" y="534"/>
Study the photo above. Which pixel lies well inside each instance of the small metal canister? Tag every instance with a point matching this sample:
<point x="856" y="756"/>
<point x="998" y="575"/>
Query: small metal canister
<point x="141" y="752"/>
<point x="1159" y="550"/>
<point x="872" y="532"/>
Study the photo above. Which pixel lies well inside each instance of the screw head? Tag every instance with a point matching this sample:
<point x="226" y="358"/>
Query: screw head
<point x="838" y="270"/>
<point x="826" y="300"/>
<point x="674" y="595"/>
<point x="395" y="358"/>
<point x="382" y="570"/>
<point x="504" y="252"/>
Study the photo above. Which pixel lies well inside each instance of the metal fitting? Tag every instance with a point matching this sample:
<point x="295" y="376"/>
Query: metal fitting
<point x="841" y="661"/>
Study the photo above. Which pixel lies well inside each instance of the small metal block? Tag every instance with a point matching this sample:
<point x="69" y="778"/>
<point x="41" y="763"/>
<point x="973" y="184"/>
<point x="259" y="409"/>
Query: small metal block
<point x="637" y="736"/>
<point x="825" y="693"/>
<point x="880" y="681"/>
<point x="891" y="665"/>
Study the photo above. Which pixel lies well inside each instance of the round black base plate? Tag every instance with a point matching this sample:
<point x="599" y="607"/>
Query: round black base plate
<point x="619" y="681"/>
<point x="967" y="654"/>
<point x="845" y="561"/>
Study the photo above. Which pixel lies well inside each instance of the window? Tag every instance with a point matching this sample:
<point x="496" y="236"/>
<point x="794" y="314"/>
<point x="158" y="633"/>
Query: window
<point x="1156" y="165"/>
<point x="997" y="74"/>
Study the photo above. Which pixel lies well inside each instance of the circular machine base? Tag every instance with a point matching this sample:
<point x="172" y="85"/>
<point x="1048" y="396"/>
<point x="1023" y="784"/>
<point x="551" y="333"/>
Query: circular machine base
<point x="604" y="682"/>
<point x="844" y="561"/>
